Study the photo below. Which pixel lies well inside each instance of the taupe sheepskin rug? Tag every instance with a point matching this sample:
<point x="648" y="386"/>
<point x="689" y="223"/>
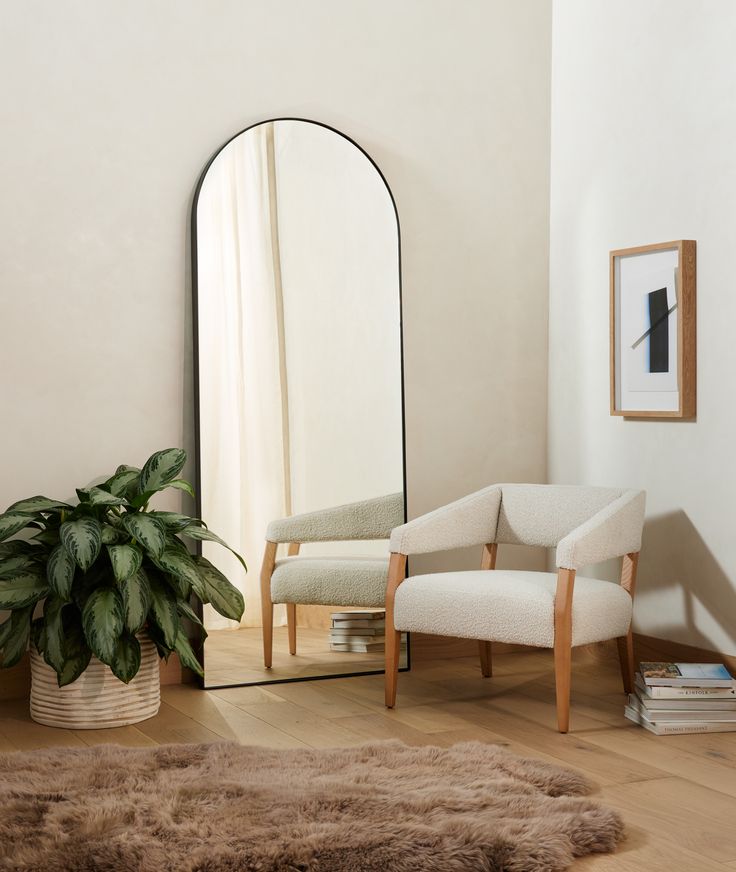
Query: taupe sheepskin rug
<point x="224" y="807"/>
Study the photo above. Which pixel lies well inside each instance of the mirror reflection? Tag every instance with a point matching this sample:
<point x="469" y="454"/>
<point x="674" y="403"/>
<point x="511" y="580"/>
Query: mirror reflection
<point x="300" y="417"/>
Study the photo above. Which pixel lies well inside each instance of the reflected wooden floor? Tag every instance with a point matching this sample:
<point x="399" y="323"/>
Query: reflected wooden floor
<point x="236" y="657"/>
<point x="677" y="794"/>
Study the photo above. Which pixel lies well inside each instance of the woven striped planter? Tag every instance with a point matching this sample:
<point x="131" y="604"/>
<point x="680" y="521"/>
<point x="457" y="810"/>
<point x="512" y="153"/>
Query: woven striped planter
<point x="97" y="699"/>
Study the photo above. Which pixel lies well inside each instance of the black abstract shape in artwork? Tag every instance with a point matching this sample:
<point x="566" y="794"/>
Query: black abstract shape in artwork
<point x="659" y="334"/>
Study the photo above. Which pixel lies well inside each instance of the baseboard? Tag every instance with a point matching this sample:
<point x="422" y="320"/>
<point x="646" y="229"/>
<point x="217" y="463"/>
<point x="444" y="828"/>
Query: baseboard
<point x="15" y="683"/>
<point x="652" y="648"/>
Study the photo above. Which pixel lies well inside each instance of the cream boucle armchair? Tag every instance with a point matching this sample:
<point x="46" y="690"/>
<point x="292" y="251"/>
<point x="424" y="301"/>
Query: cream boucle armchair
<point x="550" y="610"/>
<point x="326" y="581"/>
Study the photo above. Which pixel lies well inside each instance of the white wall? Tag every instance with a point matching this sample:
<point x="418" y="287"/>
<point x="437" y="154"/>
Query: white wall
<point x="643" y="133"/>
<point x="108" y="115"/>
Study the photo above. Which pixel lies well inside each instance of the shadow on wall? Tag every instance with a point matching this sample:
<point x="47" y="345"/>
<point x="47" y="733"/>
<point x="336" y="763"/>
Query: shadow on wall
<point x="675" y="557"/>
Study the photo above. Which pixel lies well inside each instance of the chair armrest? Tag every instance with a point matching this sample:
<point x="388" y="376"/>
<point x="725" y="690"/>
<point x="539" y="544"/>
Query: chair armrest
<point x="471" y="520"/>
<point x="612" y="532"/>
<point x="366" y="519"/>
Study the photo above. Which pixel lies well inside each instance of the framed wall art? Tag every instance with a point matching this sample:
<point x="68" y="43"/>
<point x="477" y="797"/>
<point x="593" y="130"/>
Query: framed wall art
<point x="653" y="330"/>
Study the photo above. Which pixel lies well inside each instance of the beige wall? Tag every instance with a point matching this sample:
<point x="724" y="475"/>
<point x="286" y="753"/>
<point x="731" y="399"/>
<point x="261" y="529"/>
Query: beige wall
<point x="109" y="113"/>
<point x="643" y="131"/>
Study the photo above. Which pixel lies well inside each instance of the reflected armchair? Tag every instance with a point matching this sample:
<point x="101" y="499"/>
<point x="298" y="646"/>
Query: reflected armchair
<point x="326" y="580"/>
<point x="550" y="610"/>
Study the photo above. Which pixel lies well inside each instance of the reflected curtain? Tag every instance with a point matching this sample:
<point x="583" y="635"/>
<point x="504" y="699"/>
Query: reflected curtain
<point x="244" y="468"/>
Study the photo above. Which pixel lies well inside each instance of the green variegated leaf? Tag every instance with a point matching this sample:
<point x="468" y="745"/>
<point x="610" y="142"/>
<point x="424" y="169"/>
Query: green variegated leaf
<point x="136" y="595"/>
<point x="222" y="595"/>
<point x="126" y="560"/>
<point x="24" y="589"/>
<point x="47" y="537"/>
<point x="179" y="564"/>
<point x="16" y="547"/>
<point x="140" y="501"/>
<point x="16" y="556"/>
<point x="182" y="589"/>
<point x="174" y="522"/>
<point x="109" y="535"/>
<point x="186" y="654"/>
<point x="182" y="485"/>
<point x="77" y="653"/>
<point x="100" y="497"/>
<point x="11" y="523"/>
<point x="186" y="611"/>
<point x="201" y="589"/>
<point x="149" y="531"/>
<point x="201" y="533"/>
<point x="54" y="647"/>
<point x="38" y="633"/>
<point x="103" y="622"/>
<point x="157" y="638"/>
<point x="126" y="658"/>
<point x="83" y="540"/>
<point x="60" y="571"/>
<point x="37" y="504"/>
<point x="14" y="635"/>
<point x="124" y="483"/>
<point x="174" y="543"/>
<point x="163" y="611"/>
<point x="161" y="468"/>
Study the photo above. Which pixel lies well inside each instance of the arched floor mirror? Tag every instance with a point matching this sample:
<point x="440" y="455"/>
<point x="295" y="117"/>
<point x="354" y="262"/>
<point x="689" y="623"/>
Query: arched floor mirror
<point x="299" y="399"/>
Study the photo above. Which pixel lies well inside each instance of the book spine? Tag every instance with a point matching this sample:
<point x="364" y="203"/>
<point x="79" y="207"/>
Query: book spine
<point x="660" y="728"/>
<point x="668" y="692"/>
<point x="714" y="727"/>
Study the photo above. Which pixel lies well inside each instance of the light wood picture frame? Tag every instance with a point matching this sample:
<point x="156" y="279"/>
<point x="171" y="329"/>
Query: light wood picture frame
<point x="652" y="330"/>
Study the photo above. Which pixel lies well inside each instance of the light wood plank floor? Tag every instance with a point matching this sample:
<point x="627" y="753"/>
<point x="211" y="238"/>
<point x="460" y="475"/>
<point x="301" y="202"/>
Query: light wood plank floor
<point x="677" y="793"/>
<point x="236" y="657"/>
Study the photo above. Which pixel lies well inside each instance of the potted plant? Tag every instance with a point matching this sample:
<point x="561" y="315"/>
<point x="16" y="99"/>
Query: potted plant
<point x="101" y="588"/>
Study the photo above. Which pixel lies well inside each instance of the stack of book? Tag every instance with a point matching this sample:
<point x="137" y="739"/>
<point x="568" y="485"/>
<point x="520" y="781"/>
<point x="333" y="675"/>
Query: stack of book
<point x="359" y="631"/>
<point x="673" y="698"/>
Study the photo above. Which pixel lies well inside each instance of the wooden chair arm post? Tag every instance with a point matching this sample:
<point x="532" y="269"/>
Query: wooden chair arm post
<point x="488" y="560"/>
<point x="629" y="566"/>
<point x="396" y="574"/>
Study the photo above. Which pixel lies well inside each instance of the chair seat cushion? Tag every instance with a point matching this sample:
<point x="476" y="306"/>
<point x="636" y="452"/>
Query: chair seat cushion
<point x="509" y="606"/>
<point x="330" y="581"/>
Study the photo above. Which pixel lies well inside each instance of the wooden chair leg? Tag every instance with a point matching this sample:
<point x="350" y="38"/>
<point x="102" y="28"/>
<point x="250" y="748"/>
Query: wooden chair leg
<point x="625" y="643"/>
<point x="486" y="663"/>
<point x="396" y="572"/>
<point x="488" y="561"/>
<point x="563" y="645"/>
<point x="626" y="659"/>
<point x="269" y="562"/>
<point x="291" y="625"/>
<point x="291" y="607"/>
<point x="393" y="647"/>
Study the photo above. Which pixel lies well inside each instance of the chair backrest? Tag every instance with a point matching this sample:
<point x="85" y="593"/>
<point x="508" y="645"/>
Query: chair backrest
<point x="543" y="514"/>
<point x="367" y="519"/>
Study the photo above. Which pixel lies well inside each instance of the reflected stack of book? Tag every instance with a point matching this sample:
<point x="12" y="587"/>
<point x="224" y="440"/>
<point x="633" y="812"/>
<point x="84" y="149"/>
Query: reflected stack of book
<point x="360" y="631"/>
<point x="674" y="698"/>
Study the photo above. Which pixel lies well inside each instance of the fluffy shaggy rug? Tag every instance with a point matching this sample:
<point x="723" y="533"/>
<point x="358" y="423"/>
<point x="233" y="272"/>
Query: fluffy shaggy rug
<point x="225" y="807"/>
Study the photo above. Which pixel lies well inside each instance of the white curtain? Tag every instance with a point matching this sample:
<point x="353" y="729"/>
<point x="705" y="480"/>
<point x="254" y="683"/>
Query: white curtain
<point x="242" y="435"/>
